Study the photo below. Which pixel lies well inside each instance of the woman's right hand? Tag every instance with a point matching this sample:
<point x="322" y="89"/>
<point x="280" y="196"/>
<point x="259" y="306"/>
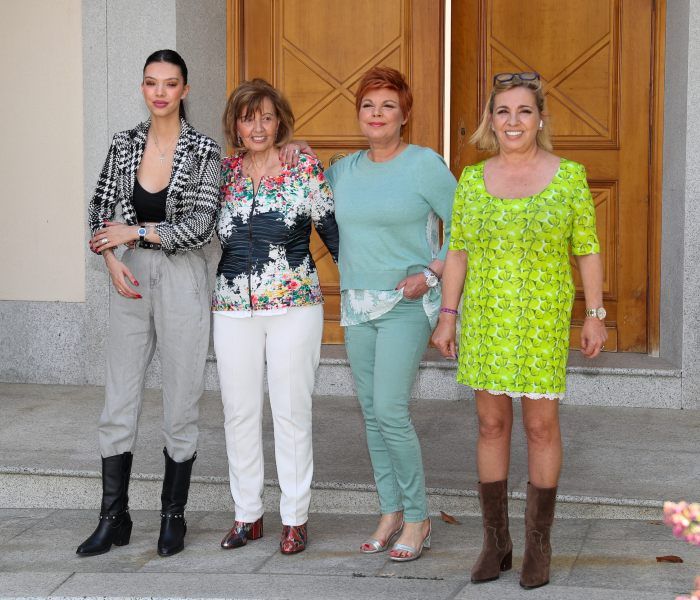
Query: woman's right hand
<point x="289" y="153"/>
<point x="445" y="334"/>
<point x="121" y="275"/>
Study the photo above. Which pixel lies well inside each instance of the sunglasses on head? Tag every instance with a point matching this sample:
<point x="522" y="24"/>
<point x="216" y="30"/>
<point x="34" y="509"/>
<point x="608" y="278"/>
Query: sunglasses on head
<point x="508" y="77"/>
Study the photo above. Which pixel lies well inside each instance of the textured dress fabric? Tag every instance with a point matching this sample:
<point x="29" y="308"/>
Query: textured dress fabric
<point x="192" y="198"/>
<point x="266" y="264"/>
<point x="519" y="289"/>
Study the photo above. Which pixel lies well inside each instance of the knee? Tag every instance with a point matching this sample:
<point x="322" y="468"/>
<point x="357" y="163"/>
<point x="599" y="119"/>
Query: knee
<point x="394" y="418"/>
<point x="542" y="432"/>
<point x="493" y="428"/>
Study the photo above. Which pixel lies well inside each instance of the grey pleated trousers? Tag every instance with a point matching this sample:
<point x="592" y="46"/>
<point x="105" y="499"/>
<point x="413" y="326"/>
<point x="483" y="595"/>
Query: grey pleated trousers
<point x="174" y="313"/>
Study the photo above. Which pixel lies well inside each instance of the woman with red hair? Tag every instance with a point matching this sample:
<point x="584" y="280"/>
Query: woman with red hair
<point x="388" y="200"/>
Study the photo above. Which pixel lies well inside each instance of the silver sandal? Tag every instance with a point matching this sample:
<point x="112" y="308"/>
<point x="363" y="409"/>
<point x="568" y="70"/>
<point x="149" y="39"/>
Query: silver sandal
<point x="414" y="552"/>
<point x="377" y="546"/>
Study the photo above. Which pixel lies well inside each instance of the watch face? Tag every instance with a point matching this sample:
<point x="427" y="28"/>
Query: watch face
<point x="141" y="231"/>
<point x="601" y="313"/>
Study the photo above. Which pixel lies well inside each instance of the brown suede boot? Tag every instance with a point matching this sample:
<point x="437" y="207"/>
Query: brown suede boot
<point x="539" y="515"/>
<point x="497" y="550"/>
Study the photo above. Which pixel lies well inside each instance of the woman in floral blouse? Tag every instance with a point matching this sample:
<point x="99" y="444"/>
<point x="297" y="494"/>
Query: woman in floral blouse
<point x="268" y="307"/>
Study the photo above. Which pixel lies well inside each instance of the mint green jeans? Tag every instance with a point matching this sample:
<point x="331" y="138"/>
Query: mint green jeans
<point x="384" y="356"/>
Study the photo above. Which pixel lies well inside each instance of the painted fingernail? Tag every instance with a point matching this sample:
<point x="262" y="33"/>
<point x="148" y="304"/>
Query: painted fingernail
<point x="139" y="296"/>
<point x="136" y="282"/>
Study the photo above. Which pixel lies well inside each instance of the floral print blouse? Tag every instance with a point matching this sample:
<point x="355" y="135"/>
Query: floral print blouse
<point x="266" y="264"/>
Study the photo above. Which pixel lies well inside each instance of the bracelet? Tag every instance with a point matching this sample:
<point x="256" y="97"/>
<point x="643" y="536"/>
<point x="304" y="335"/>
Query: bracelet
<point x="449" y="311"/>
<point x="434" y="273"/>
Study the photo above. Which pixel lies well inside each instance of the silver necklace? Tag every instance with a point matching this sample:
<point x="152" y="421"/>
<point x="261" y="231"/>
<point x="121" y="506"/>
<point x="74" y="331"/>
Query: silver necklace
<point x="161" y="153"/>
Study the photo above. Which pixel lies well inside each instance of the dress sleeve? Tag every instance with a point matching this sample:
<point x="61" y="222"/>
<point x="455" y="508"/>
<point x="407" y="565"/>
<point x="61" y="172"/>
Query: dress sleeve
<point x="438" y="188"/>
<point x="323" y="208"/>
<point x="584" y="239"/>
<point x="196" y="229"/>
<point x="457" y="241"/>
<point x="104" y="200"/>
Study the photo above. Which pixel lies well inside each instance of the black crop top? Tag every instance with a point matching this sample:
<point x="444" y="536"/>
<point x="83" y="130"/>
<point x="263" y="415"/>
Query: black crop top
<point x="149" y="207"/>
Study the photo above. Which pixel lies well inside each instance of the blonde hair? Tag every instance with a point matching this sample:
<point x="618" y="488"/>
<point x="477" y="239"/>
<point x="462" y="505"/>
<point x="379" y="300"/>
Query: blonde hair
<point x="248" y="98"/>
<point x="485" y="138"/>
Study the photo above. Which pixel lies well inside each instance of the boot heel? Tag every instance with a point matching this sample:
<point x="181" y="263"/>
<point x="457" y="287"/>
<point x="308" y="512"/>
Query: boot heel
<point x="507" y="562"/>
<point x="256" y="531"/>
<point x="123" y="535"/>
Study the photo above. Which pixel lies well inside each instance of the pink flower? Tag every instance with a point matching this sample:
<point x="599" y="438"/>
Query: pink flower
<point x="684" y="519"/>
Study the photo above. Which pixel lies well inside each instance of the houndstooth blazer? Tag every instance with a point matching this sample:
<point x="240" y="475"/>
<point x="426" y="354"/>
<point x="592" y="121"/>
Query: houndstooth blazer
<point x="193" y="191"/>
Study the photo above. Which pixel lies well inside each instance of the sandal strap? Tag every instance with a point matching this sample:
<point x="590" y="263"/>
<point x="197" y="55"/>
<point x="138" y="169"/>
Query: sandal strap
<point x="376" y="544"/>
<point x="404" y="548"/>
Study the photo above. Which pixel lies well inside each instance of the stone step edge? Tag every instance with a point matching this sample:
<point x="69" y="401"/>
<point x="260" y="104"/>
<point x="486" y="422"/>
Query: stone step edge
<point x="340" y="486"/>
<point x="449" y="365"/>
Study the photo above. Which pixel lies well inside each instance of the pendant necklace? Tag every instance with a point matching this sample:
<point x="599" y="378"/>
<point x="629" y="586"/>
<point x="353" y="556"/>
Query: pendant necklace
<point x="161" y="153"/>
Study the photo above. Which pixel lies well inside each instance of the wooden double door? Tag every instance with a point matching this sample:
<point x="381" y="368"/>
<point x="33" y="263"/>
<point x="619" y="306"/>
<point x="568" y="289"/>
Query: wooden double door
<point x="596" y="60"/>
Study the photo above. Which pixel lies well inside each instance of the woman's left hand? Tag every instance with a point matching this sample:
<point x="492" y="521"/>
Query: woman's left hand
<point x="593" y="337"/>
<point x="413" y="286"/>
<point x="289" y="153"/>
<point x="112" y="235"/>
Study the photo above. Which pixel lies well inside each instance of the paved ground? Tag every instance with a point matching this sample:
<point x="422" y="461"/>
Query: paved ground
<point x="594" y="560"/>
<point x="48" y="458"/>
<point x="647" y="454"/>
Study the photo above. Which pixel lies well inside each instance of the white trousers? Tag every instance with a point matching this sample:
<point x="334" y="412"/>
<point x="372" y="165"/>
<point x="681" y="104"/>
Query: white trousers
<point x="291" y="346"/>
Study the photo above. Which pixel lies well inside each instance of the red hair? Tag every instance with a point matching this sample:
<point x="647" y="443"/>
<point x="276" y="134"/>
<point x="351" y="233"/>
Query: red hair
<point x="385" y="77"/>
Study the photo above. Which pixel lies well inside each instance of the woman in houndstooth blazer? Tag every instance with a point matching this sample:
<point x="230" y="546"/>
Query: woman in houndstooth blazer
<point x="164" y="176"/>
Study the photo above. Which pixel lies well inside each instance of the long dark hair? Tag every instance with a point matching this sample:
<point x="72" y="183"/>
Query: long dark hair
<point x="172" y="57"/>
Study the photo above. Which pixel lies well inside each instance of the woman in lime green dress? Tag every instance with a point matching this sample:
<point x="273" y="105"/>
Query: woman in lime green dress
<point x="516" y="217"/>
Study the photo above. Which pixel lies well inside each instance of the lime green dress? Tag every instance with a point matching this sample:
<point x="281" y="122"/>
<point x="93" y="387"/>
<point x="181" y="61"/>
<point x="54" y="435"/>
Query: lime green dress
<point x="519" y="289"/>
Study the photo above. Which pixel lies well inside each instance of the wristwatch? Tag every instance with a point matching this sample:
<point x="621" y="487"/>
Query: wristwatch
<point x="142" y="234"/>
<point x="431" y="279"/>
<point x="598" y="313"/>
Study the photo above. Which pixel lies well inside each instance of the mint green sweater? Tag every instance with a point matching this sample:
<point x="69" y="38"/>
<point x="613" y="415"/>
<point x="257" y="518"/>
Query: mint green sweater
<point x="382" y="211"/>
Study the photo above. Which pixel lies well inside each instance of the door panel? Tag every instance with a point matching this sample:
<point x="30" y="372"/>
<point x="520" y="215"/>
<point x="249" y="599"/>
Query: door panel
<point x="316" y="51"/>
<point x="595" y="60"/>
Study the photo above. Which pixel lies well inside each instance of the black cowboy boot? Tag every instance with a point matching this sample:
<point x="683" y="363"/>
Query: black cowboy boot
<point x="115" y="523"/>
<point x="176" y="486"/>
